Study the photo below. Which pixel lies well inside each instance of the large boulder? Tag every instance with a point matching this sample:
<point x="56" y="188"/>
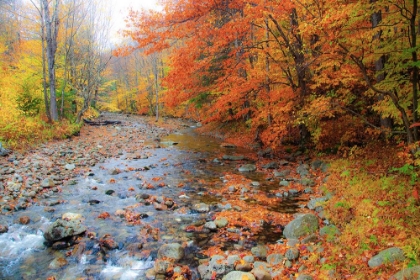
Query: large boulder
<point x="61" y="229"/>
<point x="389" y="255"/>
<point x="301" y="226"/>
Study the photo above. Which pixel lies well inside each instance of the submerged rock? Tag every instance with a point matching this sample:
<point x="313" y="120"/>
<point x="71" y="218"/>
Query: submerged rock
<point x="247" y="168"/>
<point x="3" y="229"/>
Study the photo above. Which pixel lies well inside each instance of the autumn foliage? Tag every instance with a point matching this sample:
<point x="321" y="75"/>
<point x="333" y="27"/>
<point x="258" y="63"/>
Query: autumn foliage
<point x="332" y="72"/>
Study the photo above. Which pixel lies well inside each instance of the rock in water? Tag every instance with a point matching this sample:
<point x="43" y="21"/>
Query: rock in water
<point x="61" y="229"/>
<point x="173" y="251"/>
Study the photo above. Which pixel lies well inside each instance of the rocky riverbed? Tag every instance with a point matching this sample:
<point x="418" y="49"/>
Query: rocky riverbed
<point x="137" y="201"/>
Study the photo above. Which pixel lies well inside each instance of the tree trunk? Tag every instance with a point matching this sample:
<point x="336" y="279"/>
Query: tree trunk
<point x="51" y="24"/>
<point x="379" y="67"/>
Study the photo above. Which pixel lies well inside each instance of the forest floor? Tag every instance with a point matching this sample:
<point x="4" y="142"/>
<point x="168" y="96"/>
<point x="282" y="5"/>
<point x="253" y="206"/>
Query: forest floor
<point x="364" y="203"/>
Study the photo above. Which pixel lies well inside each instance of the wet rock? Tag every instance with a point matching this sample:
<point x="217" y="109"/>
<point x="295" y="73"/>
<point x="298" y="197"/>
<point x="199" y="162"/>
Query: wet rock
<point x="3" y="229"/>
<point x="247" y="168"/>
<point x="60" y="245"/>
<point x="160" y="206"/>
<point x="108" y="243"/>
<point x="301" y="226"/>
<point x="201" y="208"/>
<point x="233" y="158"/>
<point x="114" y="171"/>
<point x="259" y="251"/>
<point x="387" y="256"/>
<point x="71" y="216"/>
<point x="292" y="254"/>
<point x="58" y="263"/>
<point x="172" y="251"/>
<point x="24" y="220"/>
<point x="109" y="192"/>
<point x="407" y="273"/>
<point x="61" y="229"/>
<point x="271" y="165"/>
<point x="238" y="275"/>
<point x="221" y="222"/>
<point x="161" y="266"/>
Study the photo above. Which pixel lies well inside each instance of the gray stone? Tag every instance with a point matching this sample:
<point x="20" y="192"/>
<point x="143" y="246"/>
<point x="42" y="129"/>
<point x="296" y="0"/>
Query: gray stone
<point x="408" y="273"/>
<point x="301" y="226"/>
<point x="271" y="165"/>
<point x="233" y="158"/>
<point x="303" y="170"/>
<point x="70" y="166"/>
<point x="292" y="254"/>
<point x="259" y="251"/>
<point x="221" y="222"/>
<point x="173" y="251"/>
<point x="210" y="225"/>
<point x="261" y="274"/>
<point x="315" y="202"/>
<point x="284" y="183"/>
<point x="274" y="259"/>
<point x="247" y="168"/>
<point x="387" y="256"/>
<point x="282" y="173"/>
<point x="61" y="229"/>
<point x="238" y="275"/>
<point x="47" y="183"/>
<point x="201" y="208"/>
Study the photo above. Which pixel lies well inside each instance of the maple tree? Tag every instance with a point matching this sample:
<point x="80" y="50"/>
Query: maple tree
<point x="275" y="66"/>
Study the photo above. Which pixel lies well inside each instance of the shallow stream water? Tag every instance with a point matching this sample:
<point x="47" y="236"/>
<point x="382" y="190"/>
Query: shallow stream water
<point x="185" y="166"/>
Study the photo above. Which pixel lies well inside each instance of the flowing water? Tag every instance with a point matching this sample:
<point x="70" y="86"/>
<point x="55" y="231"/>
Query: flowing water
<point x="185" y="159"/>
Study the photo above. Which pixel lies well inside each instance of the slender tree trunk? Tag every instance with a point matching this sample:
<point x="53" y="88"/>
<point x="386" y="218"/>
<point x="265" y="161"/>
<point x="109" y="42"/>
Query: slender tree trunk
<point x="44" y="70"/>
<point x="380" y="65"/>
<point x="51" y="24"/>
<point x="415" y="74"/>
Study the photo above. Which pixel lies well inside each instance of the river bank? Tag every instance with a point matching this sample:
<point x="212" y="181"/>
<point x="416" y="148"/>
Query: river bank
<point x="163" y="202"/>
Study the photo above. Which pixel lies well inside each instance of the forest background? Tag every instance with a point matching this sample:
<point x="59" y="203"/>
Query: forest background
<point x="327" y="77"/>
